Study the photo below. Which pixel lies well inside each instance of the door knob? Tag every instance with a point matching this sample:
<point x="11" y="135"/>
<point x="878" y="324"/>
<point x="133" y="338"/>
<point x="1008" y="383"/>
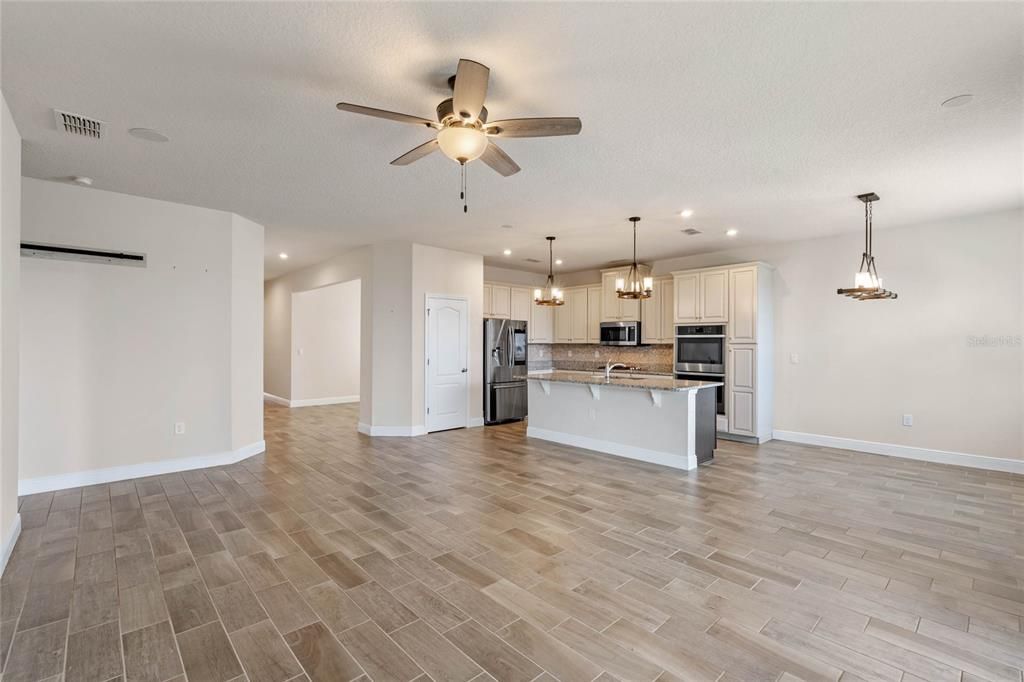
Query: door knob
<point x="464" y="370"/>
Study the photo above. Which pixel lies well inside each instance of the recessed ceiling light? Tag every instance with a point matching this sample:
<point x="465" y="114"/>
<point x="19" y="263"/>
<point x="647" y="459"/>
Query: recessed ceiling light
<point x="558" y="261"/>
<point x="82" y="180"/>
<point x="283" y="255"/>
<point x="731" y="232"/>
<point x="686" y="212"/>
<point x="507" y="252"/>
<point x="148" y="134"/>
<point x="958" y="101"/>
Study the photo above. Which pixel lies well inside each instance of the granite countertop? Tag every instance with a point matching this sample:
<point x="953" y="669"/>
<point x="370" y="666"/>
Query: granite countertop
<point x="643" y="383"/>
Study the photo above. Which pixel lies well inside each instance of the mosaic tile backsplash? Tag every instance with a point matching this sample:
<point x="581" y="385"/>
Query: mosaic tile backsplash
<point x="580" y="356"/>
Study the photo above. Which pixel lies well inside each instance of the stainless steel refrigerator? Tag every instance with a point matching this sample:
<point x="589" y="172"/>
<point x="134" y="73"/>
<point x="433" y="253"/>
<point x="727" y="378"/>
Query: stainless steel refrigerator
<point x="505" y="351"/>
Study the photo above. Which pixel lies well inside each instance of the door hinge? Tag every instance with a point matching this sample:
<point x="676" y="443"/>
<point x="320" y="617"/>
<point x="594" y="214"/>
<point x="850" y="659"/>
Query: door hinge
<point x="428" y="410"/>
<point x="428" y="361"/>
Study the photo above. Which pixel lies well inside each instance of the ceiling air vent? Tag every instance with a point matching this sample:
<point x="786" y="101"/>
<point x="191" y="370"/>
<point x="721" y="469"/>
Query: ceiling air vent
<point x="692" y="231"/>
<point x="87" y="255"/>
<point x="76" y="124"/>
<point x="532" y="260"/>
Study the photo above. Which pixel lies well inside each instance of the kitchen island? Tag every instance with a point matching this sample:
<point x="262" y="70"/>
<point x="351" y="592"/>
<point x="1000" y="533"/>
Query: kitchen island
<point x="661" y="420"/>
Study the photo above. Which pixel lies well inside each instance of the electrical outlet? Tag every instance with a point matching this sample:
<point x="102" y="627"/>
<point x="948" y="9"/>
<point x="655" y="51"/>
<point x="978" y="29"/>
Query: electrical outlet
<point x="179" y="428"/>
<point x="908" y="420"/>
<point x="794" y="359"/>
<point x="597" y="353"/>
<point x="593" y="414"/>
<point x="570" y="354"/>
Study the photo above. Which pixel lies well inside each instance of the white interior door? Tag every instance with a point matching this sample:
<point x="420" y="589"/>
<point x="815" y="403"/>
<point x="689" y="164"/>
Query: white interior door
<point x="447" y="363"/>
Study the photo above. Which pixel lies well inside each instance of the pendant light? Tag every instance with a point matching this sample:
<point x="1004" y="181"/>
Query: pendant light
<point x="867" y="285"/>
<point x="550" y="294"/>
<point x="634" y="286"/>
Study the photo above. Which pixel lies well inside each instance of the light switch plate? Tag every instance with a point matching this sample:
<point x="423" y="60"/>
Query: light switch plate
<point x="908" y="420"/>
<point x="794" y="359"/>
<point x="179" y="428"/>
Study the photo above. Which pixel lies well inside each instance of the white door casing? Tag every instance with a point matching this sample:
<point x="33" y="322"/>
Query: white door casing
<point x="447" y="366"/>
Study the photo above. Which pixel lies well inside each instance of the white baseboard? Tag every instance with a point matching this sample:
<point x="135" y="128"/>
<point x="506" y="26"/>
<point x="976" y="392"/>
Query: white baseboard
<point x="611" y="448"/>
<point x="9" y="540"/>
<point x="276" y="399"/>
<point x="338" y="400"/>
<point x="392" y="431"/>
<point x="77" y="479"/>
<point x="963" y="459"/>
<point x="475" y="422"/>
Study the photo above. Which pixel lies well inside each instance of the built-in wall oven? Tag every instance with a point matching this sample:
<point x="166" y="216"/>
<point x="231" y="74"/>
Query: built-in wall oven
<point x="700" y="356"/>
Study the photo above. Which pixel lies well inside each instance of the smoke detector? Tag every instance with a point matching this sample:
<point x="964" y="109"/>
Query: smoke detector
<point x="81" y="126"/>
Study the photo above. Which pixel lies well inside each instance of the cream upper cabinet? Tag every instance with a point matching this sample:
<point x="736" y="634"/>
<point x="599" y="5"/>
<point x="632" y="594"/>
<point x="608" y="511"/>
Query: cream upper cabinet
<point x="614" y="308"/>
<point x="541" y="328"/>
<point x="563" y="320"/>
<point x="667" y="311"/>
<point x="658" y="313"/>
<point x="714" y="296"/>
<point x="610" y="309"/>
<point x="577" y="300"/>
<point x="488" y="291"/>
<point x="501" y="301"/>
<point x="522" y="301"/>
<point x="743" y="305"/>
<point x="687" y="299"/>
<point x="594" y="314"/>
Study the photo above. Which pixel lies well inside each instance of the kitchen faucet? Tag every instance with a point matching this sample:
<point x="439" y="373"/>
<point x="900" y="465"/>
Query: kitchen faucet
<point x="609" y="367"/>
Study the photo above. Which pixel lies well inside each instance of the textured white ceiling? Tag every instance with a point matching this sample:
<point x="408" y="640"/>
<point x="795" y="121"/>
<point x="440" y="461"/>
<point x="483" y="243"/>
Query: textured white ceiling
<point x="764" y="117"/>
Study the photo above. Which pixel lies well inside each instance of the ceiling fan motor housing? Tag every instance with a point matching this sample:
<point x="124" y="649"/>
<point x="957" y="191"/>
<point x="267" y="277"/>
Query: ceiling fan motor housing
<point x="446" y="110"/>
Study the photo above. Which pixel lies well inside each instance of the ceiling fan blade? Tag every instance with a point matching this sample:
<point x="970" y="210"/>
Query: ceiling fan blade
<point x="383" y="113"/>
<point x="470" y="89"/>
<point x="415" y="154"/>
<point x="495" y="157"/>
<point x="535" y="127"/>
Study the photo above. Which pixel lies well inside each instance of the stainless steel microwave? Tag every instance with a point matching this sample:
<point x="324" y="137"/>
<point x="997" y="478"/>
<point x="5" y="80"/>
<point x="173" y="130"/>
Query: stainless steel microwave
<point x="620" y="333"/>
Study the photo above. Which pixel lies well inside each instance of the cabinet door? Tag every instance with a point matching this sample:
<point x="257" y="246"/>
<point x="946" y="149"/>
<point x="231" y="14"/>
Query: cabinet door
<point x="578" y="303"/>
<point x="667" y="305"/>
<point x="650" y="324"/>
<point x="563" y="320"/>
<point x="714" y="296"/>
<point x="610" y="308"/>
<point x="741" y="412"/>
<point x="594" y="314"/>
<point x="743" y="305"/>
<point x="629" y="309"/>
<point x="488" y="295"/>
<point x="522" y="301"/>
<point x="541" y="327"/>
<point x="687" y="303"/>
<point x="742" y="370"/>
<point x="501" y="301"/>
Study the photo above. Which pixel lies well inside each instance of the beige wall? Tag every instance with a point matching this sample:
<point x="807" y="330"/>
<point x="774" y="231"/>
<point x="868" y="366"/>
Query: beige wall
<point x="117" y="355"/>
<point x="325" y="337"/>
<point x="10" y="237"/>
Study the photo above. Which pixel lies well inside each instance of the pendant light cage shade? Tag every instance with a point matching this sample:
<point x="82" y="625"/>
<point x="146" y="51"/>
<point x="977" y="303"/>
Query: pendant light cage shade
<point x="635" y="285"/>
<point x="867" y="285"/>
<point x="550" y="294"/>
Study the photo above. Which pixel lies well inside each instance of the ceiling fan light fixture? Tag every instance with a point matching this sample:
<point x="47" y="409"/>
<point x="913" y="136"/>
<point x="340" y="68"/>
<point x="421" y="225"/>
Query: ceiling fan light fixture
<point x="462" y="143"/>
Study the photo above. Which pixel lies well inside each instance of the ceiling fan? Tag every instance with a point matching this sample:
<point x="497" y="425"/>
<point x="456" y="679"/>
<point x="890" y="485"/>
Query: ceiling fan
<point x="463" y="132"/>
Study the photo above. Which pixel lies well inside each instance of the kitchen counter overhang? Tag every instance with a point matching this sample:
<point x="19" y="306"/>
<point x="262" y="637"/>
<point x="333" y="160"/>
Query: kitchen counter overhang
<point x="661" y="420"/>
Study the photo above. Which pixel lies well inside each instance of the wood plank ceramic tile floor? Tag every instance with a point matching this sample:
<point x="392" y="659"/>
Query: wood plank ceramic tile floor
<point x="480" y="554"/>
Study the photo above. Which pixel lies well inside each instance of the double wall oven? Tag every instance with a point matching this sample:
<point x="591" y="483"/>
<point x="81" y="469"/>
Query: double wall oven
<point x="700" y="356"/>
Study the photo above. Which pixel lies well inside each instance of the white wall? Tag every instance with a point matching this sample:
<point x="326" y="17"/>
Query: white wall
<point x="325" y="341"/>
<point x="452" y="273"/>
<point x="10" y="237"/>
<point x="114" y="356"/>
<point x="862" y="365"/>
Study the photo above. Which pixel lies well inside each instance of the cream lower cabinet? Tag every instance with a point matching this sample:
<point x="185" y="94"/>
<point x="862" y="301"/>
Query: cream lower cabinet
<point x="741" y="374"/>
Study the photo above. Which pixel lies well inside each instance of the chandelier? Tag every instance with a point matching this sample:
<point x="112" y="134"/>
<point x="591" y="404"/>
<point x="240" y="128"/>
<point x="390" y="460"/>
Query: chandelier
<point x="867" y="285"/>
<point x="550" y="294"/>
<point x="634" y="285"/>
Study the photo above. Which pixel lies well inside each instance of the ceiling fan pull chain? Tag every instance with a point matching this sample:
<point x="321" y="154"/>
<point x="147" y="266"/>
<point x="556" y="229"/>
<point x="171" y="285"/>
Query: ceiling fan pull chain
<point x="465" y="191"/>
